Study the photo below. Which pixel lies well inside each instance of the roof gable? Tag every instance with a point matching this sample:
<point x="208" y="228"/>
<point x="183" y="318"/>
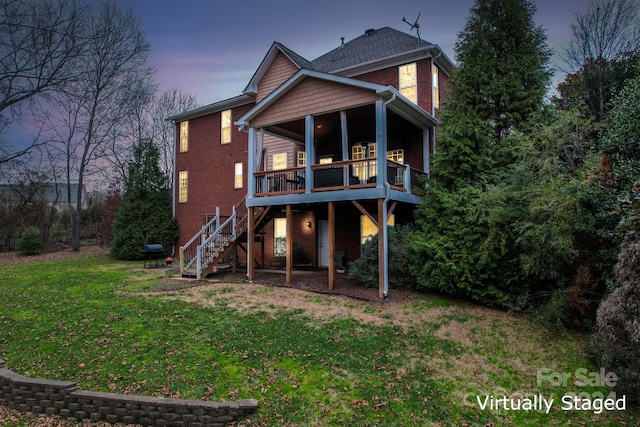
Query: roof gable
<point x="343" y="91"/>
<point x="276" y="50"/>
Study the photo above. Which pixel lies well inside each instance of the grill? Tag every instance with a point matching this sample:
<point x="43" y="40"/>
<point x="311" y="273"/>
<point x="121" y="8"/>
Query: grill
<point x="152" y="254"/>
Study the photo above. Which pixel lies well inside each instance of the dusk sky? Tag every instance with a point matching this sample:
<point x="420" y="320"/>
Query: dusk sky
<point x="212" y="48"/>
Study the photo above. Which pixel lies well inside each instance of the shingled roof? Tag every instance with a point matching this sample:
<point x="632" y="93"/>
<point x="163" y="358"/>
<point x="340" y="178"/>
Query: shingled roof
<point x="370" y="46"/>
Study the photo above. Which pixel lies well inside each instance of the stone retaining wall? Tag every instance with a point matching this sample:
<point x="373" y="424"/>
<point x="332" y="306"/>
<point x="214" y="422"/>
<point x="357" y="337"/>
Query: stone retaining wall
<point x="66" y="400"/>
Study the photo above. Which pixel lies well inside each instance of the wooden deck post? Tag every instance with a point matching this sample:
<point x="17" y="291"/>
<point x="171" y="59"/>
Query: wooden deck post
<point x="332" y="244"/>
<point x="382" y="222"/>
<point x="289" y="253"/>
<point x="250" y="244"/>
<point x="181" y="252"/>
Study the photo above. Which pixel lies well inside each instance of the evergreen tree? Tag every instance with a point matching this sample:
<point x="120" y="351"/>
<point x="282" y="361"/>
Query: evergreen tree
<point x="500" y="82"/>
<point x="145" y="213"/>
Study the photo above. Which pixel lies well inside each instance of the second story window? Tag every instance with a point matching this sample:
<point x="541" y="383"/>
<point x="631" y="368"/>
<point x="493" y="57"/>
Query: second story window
<point x="183" y="185"/>
<point x="279" y="161"/>
<point x="225" y="136"/>
<point x="302" y="159"/>
<point x="237" y="175"/>
<point x="436" y="90"/>
<point x="408" y="81"/>
<point x="184" y="136"/>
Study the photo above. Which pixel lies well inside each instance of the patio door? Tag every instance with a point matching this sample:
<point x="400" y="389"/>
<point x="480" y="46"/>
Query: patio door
<point x="323" y="243"/>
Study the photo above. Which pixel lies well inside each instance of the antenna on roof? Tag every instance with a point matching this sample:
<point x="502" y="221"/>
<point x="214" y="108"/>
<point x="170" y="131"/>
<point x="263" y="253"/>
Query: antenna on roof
<point x="414" y="26"/>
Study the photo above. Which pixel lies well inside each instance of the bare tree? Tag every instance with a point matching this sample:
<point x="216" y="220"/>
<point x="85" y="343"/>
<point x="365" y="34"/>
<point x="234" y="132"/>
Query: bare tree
<point x="170" y="103"/>
<point x="603" y="31"/>
<point x="38" y="43"/>
<point x="93" y="110"/>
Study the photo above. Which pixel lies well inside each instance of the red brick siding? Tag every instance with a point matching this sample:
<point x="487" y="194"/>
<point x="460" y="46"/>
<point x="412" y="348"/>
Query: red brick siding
<point x="211" y="171"/>
<point x="389" y="77"/>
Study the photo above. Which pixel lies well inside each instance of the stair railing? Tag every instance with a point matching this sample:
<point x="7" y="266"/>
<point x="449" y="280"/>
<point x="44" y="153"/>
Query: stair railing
<point x="212" y="245"/>
<point x="189" y="251"/>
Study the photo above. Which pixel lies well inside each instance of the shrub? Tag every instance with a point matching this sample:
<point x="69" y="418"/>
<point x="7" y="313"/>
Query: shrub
<point x="554" y="313"/>
<point x="617" y="340"/>
<point x="31" y="242"/>
<point x="365" y="269"/>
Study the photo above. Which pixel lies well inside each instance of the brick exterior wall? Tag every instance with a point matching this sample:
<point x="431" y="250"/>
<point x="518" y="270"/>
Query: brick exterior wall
<point x="210" y="165"/>
<point x="66" y="400"/>
<point x="389" y="77"/>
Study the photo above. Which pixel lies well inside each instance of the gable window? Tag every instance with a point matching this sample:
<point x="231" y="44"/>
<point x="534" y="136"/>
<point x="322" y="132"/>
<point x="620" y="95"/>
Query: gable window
<point x="436" y="90"/>
<point x="184" y="136"/>
<point x="225" y="136"/>
<point x="280" y="237"/>
<point x="183" y="185"/>
<point x="408" y="81"/>
<point x="237" y="175"/>
<point x="279" y="161"/>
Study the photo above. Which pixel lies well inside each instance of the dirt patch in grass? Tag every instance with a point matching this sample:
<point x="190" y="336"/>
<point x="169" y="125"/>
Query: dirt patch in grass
<point x="18" y="258"/>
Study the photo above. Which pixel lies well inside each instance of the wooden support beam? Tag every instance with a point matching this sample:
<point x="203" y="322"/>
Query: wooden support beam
<point x="332" y="245"/>
<point x="250" y="244"/>
<point x="234" y="258"/>
<point x="391" y="209"/>
<point x="289" y="253"/>
<point x="262" y="216"/>
<point x="381" y="270"/>
<point x="365" y="213"/>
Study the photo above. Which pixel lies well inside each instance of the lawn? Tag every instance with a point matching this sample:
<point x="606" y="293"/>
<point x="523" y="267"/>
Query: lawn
<point x="308" y="359"/>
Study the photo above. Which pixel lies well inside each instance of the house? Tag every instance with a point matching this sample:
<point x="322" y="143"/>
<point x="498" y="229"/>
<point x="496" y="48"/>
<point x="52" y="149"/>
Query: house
<point x="313" y="156"/>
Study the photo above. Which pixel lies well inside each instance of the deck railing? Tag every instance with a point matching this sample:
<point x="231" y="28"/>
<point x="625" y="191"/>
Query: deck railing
<point x="360" y="173"/>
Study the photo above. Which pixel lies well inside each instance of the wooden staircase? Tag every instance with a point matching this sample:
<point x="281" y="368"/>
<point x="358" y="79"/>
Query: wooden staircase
<point x="215" y="240"/>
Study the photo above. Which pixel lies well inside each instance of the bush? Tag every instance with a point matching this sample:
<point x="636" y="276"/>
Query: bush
<point x="31" y="242"/>
<point x="617" y="340"/>
<point x="554" y="313"/>
<point x="365" y="269"/>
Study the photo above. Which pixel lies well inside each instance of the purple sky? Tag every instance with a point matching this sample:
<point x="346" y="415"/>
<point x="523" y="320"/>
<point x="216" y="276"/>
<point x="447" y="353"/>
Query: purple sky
<point x="211" y="48"/>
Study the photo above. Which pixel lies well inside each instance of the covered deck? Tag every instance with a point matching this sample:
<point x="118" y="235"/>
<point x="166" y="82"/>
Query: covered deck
<point x="354" y="142"/>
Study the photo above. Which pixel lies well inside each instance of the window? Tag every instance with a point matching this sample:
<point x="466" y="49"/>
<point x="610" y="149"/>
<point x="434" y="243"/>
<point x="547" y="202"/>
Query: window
<point x="396" y="156"/>
<point x="183" y="185"/>
<point x="326" y="160"/>
<point x="280" y="237"/>
<point x="184" y="136"/>
<point x="436" y="90"/>
<point x="368" y="229"/>
<point x="302" y="159"/>
<point x="279" y="161"/>
<point x="408" y="81"/>
<point x="237" y="175"/>
<point x="225" y="120"/>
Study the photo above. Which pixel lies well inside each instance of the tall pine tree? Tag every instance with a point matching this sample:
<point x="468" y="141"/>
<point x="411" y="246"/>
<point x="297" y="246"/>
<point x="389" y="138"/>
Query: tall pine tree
<point x="145" y="213"/>
<point x="498" y="86"/>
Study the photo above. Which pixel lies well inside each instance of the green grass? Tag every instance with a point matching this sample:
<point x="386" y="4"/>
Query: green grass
<point x="56" y="316"/>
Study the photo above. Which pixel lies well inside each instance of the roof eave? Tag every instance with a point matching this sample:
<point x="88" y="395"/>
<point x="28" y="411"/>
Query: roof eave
<point x="212" y="108"/>
<point x="401" y="105"/>
<point x="426" y="51"/>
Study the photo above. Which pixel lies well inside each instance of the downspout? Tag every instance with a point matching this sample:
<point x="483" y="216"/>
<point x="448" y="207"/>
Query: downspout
<point x="387" y="191"/>
<point x="173" y="184"/>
